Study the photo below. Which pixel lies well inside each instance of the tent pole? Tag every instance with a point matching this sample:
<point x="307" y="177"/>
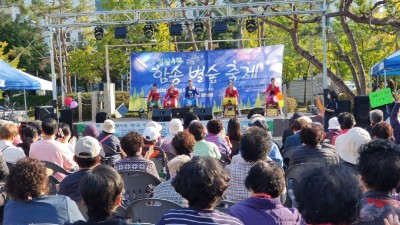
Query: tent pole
<point x="384" y="73"/>
<point x="25" y="102"/>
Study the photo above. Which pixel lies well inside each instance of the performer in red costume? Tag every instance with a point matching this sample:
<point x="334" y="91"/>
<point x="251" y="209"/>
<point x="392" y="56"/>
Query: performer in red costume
<point x="232" y="92"/>
<point x="153" y="98"/>
<point x="272" y="90"/>
<point x="171" y="98"/>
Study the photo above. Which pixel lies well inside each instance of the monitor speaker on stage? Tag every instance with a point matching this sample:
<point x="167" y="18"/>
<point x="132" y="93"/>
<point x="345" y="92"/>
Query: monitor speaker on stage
<point x="160" y="115"/>
<point x="101" y="117"/>
<point x="43" y="112"/>
<point x="203" y="113"/>
<point x="66" y="117"/>
<point x="253" y="111"/>
<point x="179" y="113"/>
<point x="361" y="110"/>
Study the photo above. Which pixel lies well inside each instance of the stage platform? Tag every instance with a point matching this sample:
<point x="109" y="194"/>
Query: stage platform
<point x="123" y="126"/>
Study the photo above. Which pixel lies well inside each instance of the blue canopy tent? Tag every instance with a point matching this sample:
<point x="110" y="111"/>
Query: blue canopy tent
<point x="14" y="79"/>
<point x="387" y="67"/>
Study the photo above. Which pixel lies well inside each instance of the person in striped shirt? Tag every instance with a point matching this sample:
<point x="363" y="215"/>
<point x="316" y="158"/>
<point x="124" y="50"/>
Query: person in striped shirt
<point x="202" y="181"/>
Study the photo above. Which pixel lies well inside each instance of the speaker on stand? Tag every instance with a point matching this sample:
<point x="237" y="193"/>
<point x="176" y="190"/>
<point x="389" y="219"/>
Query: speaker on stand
<point x="101" y="117"/>
<point x="253" y="111"/>
<point x="66" y="117"/>
<point x="361" y="110"/>
<point x="43" y="112"/>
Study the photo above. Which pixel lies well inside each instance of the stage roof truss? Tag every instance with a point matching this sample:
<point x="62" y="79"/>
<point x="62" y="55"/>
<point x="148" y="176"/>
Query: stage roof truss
<point x="211" y="12"/>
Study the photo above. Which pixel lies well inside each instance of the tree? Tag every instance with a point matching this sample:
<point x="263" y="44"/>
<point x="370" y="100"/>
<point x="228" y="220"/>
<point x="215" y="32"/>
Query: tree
<point x="350" y="15"/>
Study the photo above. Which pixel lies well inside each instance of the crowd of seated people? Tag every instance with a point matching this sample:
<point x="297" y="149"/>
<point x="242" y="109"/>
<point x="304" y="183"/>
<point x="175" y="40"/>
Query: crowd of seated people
<point x="355" y="178"/>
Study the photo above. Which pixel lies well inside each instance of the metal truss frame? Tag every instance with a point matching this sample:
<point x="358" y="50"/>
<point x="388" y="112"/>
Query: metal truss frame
<point x="186" y="14"/>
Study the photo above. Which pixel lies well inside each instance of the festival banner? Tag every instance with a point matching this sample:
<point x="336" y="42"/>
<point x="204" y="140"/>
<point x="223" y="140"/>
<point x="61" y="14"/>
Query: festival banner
<point x="250" y="70"/>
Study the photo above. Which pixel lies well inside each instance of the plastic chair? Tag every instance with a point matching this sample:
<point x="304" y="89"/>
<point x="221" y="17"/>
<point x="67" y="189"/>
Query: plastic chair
<point x="139" y="184"/>
<point x="224" y="205"/>
<point x="293" y="176"/>
<point x="150" y="210"/>
<point x="287" y="154"/>
<point x="53" y="169"/>
<point x="120" y="211"/>
<point x="111" y="155"/>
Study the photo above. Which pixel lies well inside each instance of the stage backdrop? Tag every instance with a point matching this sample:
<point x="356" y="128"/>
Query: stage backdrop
<point x="249" y="69"/>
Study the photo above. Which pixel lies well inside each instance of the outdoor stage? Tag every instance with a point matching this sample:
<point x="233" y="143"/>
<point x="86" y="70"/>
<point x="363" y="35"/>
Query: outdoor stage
<point x="123" y="126"/>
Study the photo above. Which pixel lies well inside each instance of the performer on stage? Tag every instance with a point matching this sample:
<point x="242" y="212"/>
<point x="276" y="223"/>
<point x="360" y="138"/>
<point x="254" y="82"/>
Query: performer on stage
<point x="232" y="92"/>
<point x="153" y="98"/>
<point x="191" y="94"/>
<point x="271" y="92"/>
<point x="171" y="98"/>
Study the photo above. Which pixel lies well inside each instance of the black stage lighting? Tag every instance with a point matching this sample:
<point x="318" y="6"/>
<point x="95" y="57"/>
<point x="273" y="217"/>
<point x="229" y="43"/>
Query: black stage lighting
<point x="148" y="30"/>
<point x="251" y="25"/>
<point x="98" y="33"/>
<point x="198" y="28"/>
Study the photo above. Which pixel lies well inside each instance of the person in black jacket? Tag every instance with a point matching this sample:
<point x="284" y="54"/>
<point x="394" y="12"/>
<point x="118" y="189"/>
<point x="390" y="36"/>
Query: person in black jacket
<point x="311" y="150"/>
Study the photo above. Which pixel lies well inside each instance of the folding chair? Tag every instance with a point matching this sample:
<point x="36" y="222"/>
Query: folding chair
<point x="292" y="176"/>
<point x="139" y="184"/>
<point x="53" y="181"/>
<point x="150" y="210"/>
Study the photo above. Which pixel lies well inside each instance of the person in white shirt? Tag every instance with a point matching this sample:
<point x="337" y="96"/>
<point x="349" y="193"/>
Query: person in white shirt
<point x="11" y="154"/>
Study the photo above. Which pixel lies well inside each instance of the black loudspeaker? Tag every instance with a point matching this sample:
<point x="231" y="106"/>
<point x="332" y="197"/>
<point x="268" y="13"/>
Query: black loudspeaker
<point x="343" y="106"/>
<point x="203" y="113"/>
<point x="66" y="117"/>
<point x="361" y="110"/>
<point x="260" y="111"/>
<point x="43" y="112"/>
<point x="160" y="115"/>
<point x="100" y="117"/>
<point x="179" y="113"/>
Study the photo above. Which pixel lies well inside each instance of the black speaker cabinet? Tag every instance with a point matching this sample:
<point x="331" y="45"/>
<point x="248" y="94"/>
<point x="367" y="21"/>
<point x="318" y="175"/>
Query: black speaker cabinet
<point x="43" y="112"/>
<point x="179" y="113"/>
<point x="160" y="115"/>
<point x="361" y="110"/>
<point x="343" y="106"/>
<point x="66" y="117"/>
<point x="100" y="117"/>
<point x="260" y="111"/>
<point x="203" y="113"/>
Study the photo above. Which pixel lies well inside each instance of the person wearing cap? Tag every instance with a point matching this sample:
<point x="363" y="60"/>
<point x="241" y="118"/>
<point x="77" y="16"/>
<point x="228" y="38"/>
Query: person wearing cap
<point x="87" y="156"/>
<point x="106" y="137"/>
<point x="165" y="190"/>
<point x="132" y="144"/>
<point x="191" y="92"/>
<point x="49" y="150"/>
<point x="151" y="136"/>
<point x="153" y="98"/>
<point x="175" y="126"/>
<point x="289" y="132"/>
<point x="312" y="151"/>
<point x="333" y="129"/>
<point x="271" y="91"/>
<point x="171" y="97"/>
<point x="347" y="145"/>
<point x="158" y="127"/>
